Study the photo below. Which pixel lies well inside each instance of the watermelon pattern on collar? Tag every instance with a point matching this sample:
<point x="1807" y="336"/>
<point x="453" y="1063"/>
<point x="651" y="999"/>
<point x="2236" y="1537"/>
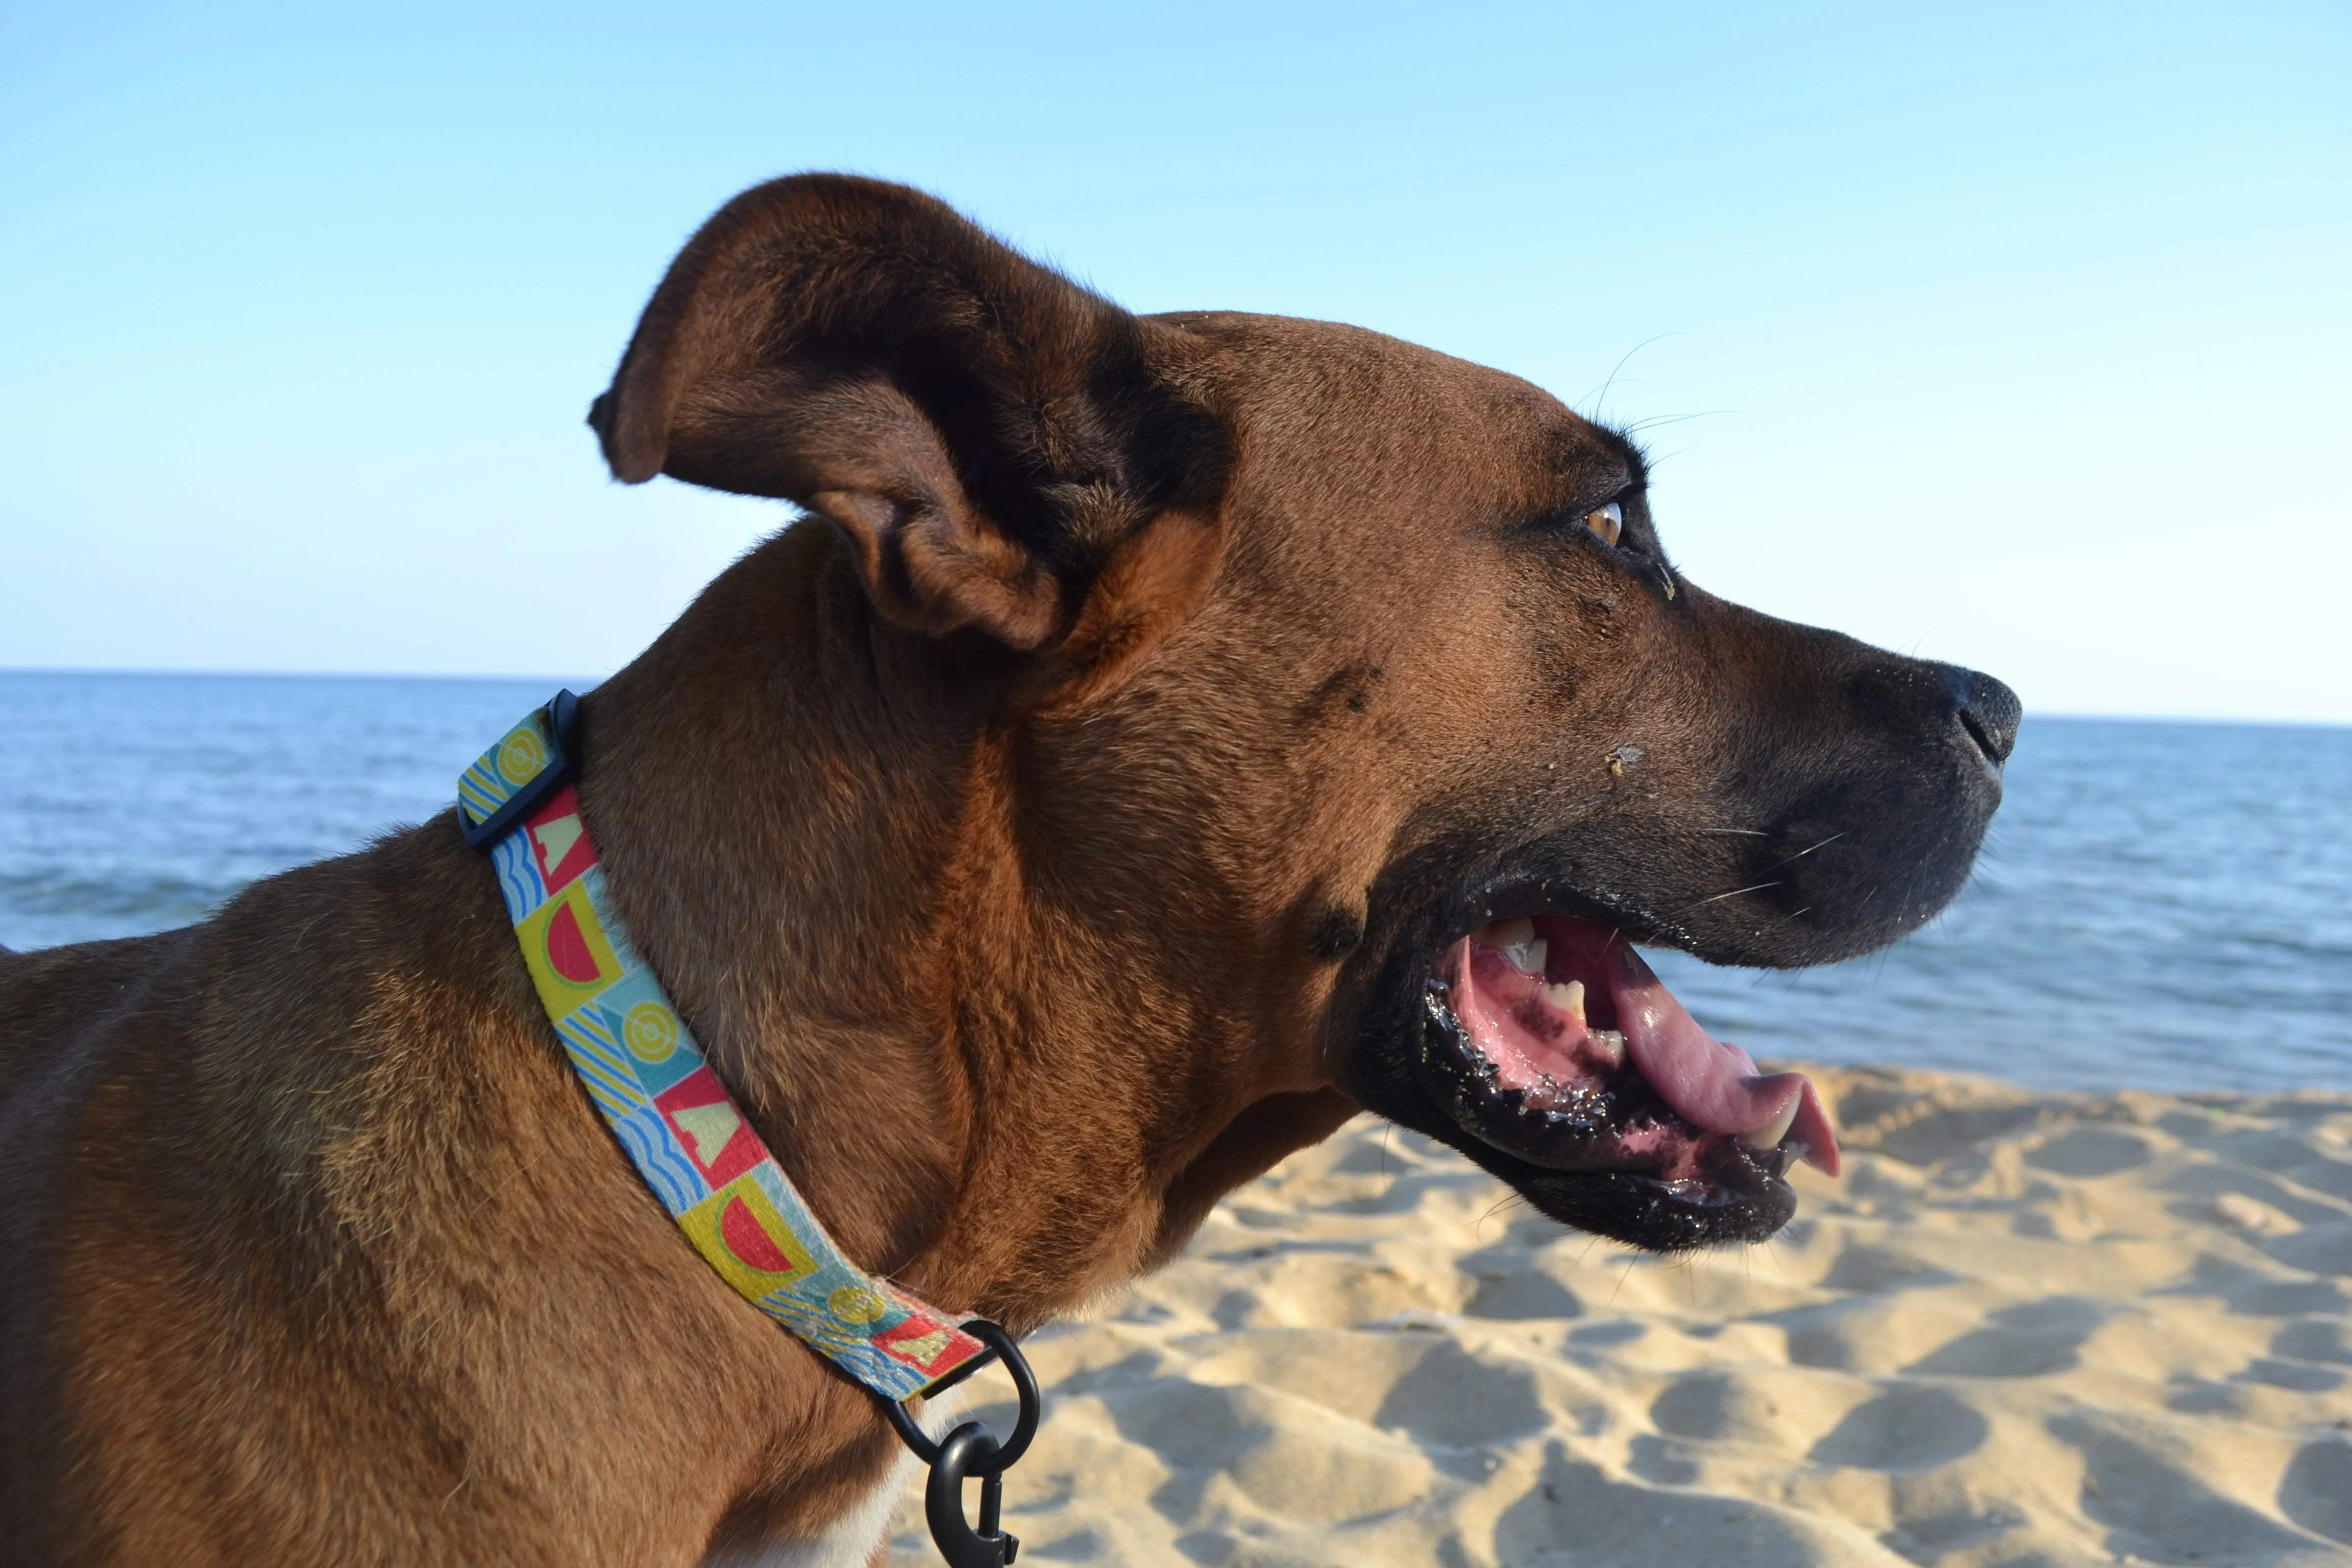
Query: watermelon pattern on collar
<point x="678" y="1123"/>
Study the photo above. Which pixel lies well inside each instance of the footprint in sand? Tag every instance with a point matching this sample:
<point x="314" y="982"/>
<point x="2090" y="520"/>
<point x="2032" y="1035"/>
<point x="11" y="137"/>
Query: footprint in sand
<point x="1872" y="1334"/>
<point x="2031" y="1340"/>
<point x="1525" y="1295"/>
<point x="2317" y="1490"/>
<point x="1455" y="1400"/>
<point x="1909" y="1429"/>
<point x="2091" y="1151"/>
<point x="2158" y="1507"/>
<point x="1876" y="1270"/>
<point x="1766" y="1408"/>
<point x="1577" y="1515"/>
<point x="2315" y="1338"/>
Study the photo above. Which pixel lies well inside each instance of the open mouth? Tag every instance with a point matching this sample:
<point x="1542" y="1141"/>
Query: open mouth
<point x="1549" y="1040"/>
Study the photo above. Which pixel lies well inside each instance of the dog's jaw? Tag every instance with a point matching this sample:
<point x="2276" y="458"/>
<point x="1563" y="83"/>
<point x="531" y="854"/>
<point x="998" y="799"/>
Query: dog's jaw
<point x="1558" y="1064"/>
<point x="1559" y="1026"/>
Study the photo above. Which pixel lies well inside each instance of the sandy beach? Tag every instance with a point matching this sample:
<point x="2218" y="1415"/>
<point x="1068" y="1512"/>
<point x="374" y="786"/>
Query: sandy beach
<point x="2024" y="1328"/>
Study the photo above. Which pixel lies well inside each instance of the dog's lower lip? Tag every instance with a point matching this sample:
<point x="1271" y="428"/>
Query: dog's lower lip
<point x="1734" y="1195"/>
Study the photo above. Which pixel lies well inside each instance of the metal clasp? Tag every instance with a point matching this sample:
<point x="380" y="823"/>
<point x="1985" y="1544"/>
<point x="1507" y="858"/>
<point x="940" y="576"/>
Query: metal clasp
<point x="972" y="1449"/>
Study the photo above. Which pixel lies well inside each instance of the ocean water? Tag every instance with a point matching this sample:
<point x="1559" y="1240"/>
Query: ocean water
<point x="2161" y="906"/>
<point x="132" y="803"/>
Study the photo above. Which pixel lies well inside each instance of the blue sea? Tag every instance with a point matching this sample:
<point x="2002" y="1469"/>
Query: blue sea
<point x="2162" y="906"/>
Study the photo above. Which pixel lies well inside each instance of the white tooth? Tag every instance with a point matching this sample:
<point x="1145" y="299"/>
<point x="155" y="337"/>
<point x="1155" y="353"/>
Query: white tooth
<point x="1499" y="934"/>
<point x="1567" y="998"/>
<point x="1517" y="941"/>
<point x="1609" y="1045"/>
<point x="1769" y="1136"/>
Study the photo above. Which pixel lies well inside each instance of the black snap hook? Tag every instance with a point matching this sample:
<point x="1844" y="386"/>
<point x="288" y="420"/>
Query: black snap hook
<point x="968" y="1450"/>
<point x="972" y="1449"/>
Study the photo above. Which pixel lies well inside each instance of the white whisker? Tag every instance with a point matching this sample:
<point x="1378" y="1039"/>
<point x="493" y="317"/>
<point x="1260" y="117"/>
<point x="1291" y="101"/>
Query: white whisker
<point x="1733" y="894"/>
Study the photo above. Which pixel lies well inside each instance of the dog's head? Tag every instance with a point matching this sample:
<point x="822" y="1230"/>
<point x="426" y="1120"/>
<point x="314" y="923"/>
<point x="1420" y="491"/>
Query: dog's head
<point x="1358" y="723"/>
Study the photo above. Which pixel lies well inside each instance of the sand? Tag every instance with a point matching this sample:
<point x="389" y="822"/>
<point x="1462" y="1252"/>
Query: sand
<point x="2023" y="1329"/>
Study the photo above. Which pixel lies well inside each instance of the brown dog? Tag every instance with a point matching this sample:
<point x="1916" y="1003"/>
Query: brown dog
<point x="1138" y="765"/>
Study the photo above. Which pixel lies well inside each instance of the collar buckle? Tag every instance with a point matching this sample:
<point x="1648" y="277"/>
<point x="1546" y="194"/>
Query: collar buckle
<point x="511" y="779"/>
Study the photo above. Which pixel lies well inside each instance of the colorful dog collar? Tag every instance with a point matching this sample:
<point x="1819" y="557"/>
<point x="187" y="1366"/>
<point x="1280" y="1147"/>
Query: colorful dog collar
<point x="639" y="1064"/>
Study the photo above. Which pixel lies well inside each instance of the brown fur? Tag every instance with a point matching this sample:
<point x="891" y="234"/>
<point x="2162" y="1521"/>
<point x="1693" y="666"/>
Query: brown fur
<point x="1018" y="833"/>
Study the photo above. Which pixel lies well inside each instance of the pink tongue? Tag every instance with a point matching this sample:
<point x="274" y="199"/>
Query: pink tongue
<point x="1711" y="1084"/>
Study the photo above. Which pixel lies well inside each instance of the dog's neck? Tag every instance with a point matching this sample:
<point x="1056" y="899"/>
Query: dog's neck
<point x="784" y="878"/>
<point x="810" y="820"/>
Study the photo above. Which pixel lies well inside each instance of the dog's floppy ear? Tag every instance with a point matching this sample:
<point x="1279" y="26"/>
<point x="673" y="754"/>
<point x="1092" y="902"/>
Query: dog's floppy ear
<point x="996" y="441"/>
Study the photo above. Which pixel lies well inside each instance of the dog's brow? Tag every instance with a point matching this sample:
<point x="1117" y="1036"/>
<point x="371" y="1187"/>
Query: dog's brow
<point x="1582" y="456"/>
<point x="1627" y="451"/>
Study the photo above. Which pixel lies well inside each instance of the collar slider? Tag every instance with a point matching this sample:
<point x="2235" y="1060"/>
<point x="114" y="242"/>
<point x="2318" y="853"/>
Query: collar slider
<point x="523" y="769"/>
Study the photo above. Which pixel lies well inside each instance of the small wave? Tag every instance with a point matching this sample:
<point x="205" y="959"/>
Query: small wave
<point x="48" y="910"/>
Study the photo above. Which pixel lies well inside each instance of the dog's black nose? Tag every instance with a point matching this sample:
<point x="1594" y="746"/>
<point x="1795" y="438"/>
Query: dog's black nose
<point x="1989" y="711"/>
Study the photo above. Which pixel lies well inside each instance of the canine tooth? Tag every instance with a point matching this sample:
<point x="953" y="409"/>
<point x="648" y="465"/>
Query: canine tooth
<point x="1506" y="933"/>
<point x="1517" y="941"/>
<point x="1769" y="1136"/>
<point x="1567" y="998"/>
<point x="1609" y="1045"/>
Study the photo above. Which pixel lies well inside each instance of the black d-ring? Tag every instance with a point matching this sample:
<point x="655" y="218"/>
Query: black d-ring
<point x="973" y="1451"/>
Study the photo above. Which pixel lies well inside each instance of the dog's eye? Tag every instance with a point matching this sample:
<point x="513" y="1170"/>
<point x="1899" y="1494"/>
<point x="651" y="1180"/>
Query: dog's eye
<point x="1608" y="521"/>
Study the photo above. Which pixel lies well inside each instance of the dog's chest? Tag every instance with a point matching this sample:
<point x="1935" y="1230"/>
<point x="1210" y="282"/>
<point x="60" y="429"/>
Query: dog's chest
<point x="855" y="1539"/>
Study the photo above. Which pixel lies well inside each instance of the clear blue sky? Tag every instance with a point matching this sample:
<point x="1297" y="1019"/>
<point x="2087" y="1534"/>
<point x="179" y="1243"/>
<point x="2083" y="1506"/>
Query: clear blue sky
<point x="2020" y="337"/>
